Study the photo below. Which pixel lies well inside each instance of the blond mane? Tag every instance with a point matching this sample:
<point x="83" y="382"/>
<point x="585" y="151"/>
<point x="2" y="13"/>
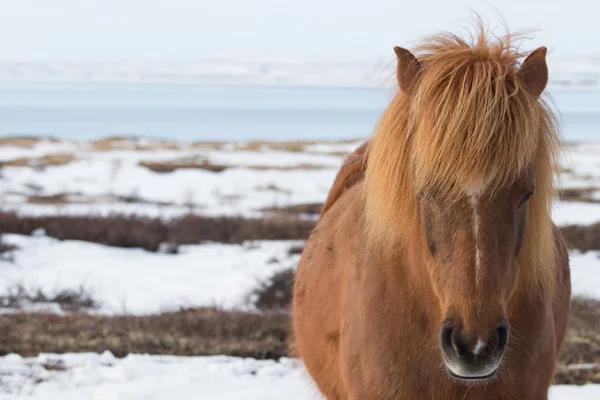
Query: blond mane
<point x="470" y="121"/>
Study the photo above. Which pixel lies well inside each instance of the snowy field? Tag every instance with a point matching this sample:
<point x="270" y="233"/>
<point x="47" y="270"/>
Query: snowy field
<point x="170" y="179"/>
<point x="87" y="180"/>
<point x="136" y="377"/>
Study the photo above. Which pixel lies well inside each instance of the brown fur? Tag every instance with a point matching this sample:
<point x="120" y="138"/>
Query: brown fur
<point x="385" y="267"/>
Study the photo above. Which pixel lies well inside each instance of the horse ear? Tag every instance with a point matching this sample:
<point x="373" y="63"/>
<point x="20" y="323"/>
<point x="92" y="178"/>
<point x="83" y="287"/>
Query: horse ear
<point x="534" y="71"/>
<point x="408" y="69"/>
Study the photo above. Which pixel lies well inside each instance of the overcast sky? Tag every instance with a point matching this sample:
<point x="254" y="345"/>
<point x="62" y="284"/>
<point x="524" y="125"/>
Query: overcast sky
<point x="300" y="30"/>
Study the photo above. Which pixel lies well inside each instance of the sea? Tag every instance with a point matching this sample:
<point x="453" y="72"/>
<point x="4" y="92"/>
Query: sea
<point x="224" y="113"/>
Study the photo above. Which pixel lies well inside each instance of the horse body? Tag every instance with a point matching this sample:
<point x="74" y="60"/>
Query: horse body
<point x="359" y="342"/>
<point x="369" y="315"/>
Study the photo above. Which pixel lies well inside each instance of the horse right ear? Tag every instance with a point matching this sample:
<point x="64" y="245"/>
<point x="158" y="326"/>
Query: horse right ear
<point x="408" y="69"/>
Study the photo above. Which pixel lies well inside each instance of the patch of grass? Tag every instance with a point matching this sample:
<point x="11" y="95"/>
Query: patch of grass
<point x="26" y="142"/>
<point x="40" y="162"/>
<point x="153" y="233"/>
<point x="170" y="166"/>
<point x="275" y="292"/>
<point x="60" y="198"/>
<point x="579" y="194"/>
<point x="119" y="231"/>
<point x="294" y="167"/>
<point x="579" y="360"/>
<point x="294" y="146"/>
<point x="582" y="237"/>
<point x="132" y="143"/>
<point x="70" y="300"/>
<point x="295" y="209"/>
<point x="189" y="332"/>
<point x="173" y="165"/>
<point x="6" y="250"/>
<point x="207" y="145"/>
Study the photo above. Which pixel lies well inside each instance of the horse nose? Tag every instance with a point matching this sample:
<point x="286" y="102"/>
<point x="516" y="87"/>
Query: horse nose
<point x="473" y="357"/>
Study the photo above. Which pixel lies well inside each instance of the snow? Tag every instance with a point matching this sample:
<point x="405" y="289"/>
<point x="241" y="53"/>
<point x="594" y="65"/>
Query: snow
<point x="94" y="376"/>
<point x="139" y="282"/>
<point x="585" y="273"/>
<point x="96" y="180"/>
<point x="575" y="213"/>
<point x="136" y="377"/>
<point x="99" y="175"/>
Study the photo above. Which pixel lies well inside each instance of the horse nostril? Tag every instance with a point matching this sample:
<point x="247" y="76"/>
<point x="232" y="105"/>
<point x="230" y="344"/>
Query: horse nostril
<point x="501" y="338"/>
<point x="446" y="335"/>
<point x="450" y="339"/>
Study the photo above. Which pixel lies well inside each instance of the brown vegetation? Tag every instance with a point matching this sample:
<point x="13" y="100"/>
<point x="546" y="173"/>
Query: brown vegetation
<point x="580" y="357"/>
<point x="211" y="331"/>
<point x="193" y="163"/>
<point x="282" y="223"/>
<point x="125" y="143"/>
<point x="150" y="233"/>
<point x="26" y="142"/>
<point x="295" y="209"/>
<point x="275" y="292"/>
<point x="579" y="194"/>
<point x="582" y="237"/>
<point x="71" y="300"/>
<point x="192" y="332"/>
<point x="170" y="166"/>
<point x="40" y="162"/>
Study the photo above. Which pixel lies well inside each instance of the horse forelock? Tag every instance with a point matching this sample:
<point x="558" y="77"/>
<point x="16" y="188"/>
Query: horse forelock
<point x="470" y="122"/>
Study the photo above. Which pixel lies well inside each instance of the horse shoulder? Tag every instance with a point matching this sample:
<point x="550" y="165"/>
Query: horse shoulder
<point x="351" y="172"/>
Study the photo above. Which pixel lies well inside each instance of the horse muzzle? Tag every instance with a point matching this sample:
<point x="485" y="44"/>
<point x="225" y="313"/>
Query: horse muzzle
<point x="472" y="359"/>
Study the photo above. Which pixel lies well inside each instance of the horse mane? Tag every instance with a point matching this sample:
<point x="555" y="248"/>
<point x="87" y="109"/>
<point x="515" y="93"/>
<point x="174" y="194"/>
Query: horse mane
<point x="470" y="121"/>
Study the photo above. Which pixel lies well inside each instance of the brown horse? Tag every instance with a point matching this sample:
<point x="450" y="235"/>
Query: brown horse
<point x="435" y="271"/>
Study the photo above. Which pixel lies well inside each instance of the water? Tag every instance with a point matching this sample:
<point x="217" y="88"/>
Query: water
<point x="86" y="111"/>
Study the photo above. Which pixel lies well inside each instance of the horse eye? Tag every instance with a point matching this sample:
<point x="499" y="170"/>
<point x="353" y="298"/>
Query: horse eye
<point x="524" y="199"/>
<point x="425" y="196"/>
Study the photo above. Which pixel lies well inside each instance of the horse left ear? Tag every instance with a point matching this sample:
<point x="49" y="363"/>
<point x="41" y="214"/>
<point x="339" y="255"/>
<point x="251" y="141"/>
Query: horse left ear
<point x="408" y="69"/>
<point x="534" y="71"/>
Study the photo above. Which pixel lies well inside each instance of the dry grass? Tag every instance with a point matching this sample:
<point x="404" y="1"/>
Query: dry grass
<point x="70" y="300"/>
<point x="190" y="332"/>
<point x="194" y="163"/>
<point x="294" y="167"/>
<point x="582" y="345"/>
<point x="579" y="194"/>
<point x="207" y="145"/>
<point x="153" y="234"/>
<point x="274" y="293"/>
<point x="40" y="162"/>
<point x="211" y="331"/>
<point x="60" y="198"/>
<point x="25" y="142"/>
<point x="291" y="146"/>
<point x="281" y="223"/>
<point x="294" y="146"/>
<point x="582" y="237"/>
<point x="295" y="209"/>
<point x="170" y="166"/>
<point x="125" y="143"/>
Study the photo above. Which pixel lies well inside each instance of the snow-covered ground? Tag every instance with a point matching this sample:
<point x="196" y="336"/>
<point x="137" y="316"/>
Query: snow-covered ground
<point x="97" y="181"/>
<point x="140" y="282"/>
<point x="136" y="281"/>
<point x="136" y="377"/>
